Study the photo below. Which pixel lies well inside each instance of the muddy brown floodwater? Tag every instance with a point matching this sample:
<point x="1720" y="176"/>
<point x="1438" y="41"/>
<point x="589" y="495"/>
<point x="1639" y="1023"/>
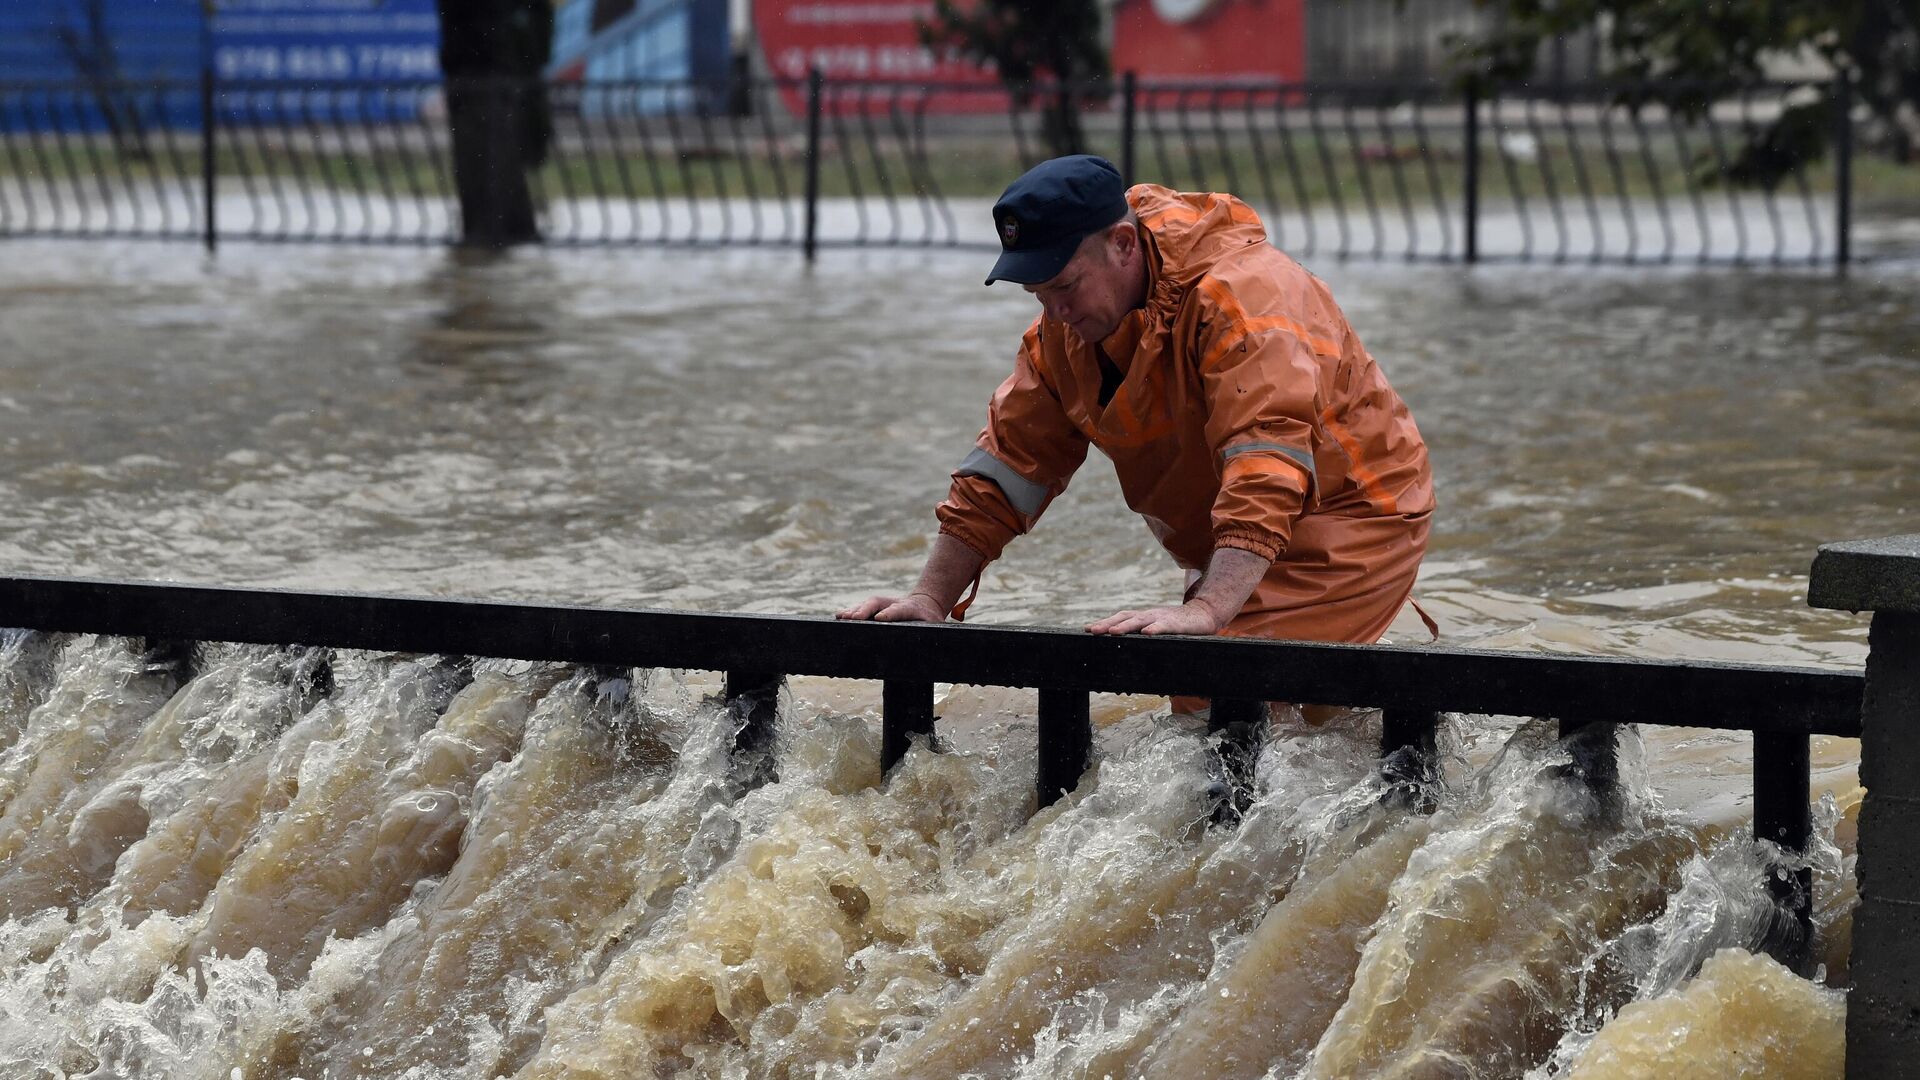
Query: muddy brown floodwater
<point x="435" y="869"/>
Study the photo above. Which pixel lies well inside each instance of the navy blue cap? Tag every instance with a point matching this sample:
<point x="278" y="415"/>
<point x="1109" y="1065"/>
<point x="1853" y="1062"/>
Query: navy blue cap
<point x="1042" y="217"/>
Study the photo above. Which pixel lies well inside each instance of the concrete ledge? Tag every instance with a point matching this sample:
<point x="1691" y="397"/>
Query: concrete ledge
<point x="1883" y="1027"/>
<point x="1887" y="826"/>
<point x="1867" y="575"/>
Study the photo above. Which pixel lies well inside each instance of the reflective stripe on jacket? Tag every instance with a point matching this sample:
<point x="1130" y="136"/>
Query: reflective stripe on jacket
<point x="1248" y="416"/>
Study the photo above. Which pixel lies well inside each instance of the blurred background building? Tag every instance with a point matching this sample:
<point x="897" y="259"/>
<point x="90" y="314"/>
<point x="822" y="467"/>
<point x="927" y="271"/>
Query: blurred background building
<point x="703" y="42"/>
<point x="678" y="40"/>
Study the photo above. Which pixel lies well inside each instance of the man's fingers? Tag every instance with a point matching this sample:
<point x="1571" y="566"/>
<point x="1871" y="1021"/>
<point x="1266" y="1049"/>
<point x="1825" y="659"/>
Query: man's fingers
<point x="904" y="611"/>
<point x="868" y="608"/>
<point x="1121" y="622"/>
<point x="1152" y="621"/>
<point x="893" y="609"/>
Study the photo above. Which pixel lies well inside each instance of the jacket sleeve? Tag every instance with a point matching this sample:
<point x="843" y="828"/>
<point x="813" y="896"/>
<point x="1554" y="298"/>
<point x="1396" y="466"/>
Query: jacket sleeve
<point x="1021" y="462"/>
<point x="1260" y="375"/>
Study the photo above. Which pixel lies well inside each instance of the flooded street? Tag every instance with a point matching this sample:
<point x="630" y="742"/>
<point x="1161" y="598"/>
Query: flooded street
<point x="539" y="871"/>
<point x="1628" y="460"/>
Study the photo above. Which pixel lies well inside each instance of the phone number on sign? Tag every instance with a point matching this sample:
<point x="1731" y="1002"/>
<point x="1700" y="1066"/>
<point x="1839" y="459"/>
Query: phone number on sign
<point x="326" y="61"/>
<point x="873" y="61"/>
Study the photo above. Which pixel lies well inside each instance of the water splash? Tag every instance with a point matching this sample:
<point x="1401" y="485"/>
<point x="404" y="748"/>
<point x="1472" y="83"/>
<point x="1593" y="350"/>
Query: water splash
<point x="1743" y="1015"/>
<point x="346" y="865"/>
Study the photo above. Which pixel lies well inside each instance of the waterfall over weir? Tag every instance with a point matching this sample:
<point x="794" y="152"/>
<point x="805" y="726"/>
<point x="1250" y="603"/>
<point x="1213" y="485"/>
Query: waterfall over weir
<point x="261" y="862"/>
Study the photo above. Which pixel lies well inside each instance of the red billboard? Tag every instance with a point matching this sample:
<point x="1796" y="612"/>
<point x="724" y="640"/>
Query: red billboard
<point x="1213" y="40"/>
<point x="879" y="41"/>
<point x="862" y="41"/>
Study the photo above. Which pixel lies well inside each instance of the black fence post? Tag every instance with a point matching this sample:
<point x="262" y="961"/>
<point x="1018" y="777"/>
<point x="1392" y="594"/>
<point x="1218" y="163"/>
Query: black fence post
<point x="1409" y="755"/>
<point x="209" y="131"/>
<point x="1472" y="179"/>
<point x="1843" y="170"/>
<point x="1066" y="741"/>
<point x="1883" y="1008"/>
<point x="1594" y="745"/>
<point x="1240" y="723"/>
<point x="906" y="710"/>
<point x="756" y="694"/>
<point x="1782" y="771"/>
<point x="814" y="87"/>
<point x="1129" y="102"/>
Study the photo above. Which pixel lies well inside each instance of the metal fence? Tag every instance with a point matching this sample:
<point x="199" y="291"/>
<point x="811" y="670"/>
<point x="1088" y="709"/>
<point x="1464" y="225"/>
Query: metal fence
<point x="1418" y="172"/>
<point x="1782" y="706"/>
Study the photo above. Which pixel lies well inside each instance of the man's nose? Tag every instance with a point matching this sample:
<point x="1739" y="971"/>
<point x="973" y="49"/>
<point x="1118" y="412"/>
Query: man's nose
<point x="1056" y="309"/>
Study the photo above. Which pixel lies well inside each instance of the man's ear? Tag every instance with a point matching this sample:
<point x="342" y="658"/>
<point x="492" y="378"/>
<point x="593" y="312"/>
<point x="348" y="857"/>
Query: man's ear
<point x="1124" y="238"/>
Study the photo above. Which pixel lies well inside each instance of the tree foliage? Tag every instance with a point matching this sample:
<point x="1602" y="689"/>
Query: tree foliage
<point x="1687" y="53"/>
<point x="1027" y="41"/>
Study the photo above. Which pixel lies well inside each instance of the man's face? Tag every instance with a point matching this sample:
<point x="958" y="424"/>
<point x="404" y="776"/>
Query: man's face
<point x="1097" y="287"/>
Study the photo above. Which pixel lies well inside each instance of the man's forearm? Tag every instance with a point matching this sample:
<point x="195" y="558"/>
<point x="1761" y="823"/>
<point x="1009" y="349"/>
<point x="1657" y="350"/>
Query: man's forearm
<point x="1232" y="575"/>
<point x="951" y="567"/>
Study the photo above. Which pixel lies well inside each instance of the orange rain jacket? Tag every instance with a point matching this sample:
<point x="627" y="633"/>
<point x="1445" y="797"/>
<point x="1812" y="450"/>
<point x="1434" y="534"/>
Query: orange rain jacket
<point x="1248" y="415"/>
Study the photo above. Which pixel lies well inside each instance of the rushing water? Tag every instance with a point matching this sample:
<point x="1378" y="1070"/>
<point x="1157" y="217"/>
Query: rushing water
<point x="296" y="864"/>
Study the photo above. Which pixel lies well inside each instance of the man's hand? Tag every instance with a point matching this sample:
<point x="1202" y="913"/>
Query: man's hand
<point x="1191" y="617"/>
<point x="1211" y="602"/>
<point x="950" y="566"/>
<point x="914" y="607"/>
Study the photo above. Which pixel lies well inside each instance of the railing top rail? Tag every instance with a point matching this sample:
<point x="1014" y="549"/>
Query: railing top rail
<point x="1575" y="688"/>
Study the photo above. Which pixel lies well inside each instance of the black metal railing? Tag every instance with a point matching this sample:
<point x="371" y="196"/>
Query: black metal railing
<point x="1782" y="706"/>
<point x="1564" y="174"/>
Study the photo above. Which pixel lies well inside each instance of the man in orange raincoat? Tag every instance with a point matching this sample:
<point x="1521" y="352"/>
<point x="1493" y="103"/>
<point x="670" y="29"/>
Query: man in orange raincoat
<point x="1245" y="421"/>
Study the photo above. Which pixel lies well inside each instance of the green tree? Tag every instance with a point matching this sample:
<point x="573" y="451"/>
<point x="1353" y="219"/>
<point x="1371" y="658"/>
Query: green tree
<point x="1027" y="41"/>
<point x="1687" y="53"/>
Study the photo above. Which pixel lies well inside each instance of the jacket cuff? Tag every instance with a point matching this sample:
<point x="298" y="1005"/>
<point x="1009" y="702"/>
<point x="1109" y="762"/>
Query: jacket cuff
<point x="1252" y="538"/>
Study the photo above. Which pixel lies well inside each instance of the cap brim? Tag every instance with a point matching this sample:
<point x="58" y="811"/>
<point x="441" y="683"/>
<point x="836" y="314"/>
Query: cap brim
<point x="1034" y="266"/>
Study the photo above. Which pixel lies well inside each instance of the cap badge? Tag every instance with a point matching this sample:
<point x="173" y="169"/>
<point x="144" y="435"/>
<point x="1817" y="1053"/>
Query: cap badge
<point x="1009" y="231"/>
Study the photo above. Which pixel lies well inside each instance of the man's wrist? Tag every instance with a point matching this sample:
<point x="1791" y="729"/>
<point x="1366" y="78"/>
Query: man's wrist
<point x="1207" y="608"/>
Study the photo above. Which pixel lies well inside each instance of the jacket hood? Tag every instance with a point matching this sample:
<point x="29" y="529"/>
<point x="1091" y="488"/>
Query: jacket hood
<point x="1193" y="231"/>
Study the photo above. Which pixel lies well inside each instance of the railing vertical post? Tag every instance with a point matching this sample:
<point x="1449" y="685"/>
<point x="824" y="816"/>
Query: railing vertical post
<point x="1883" y="1008"/>
<point x="1408" y="749"/>
<point x="906" y="710"/>
<point x="1843" y="170"/>
<point x="1239" y="722"/>
<point x="1471" y="155"/>
<point x="1129" y="102"/>
<point x="757" y="695"/>
<point x="1066" y="741"/>
<point x="1595" y="748"/>
<point x="815" y="81"/>
<point x="209" y="131"/>
<point x="1782" y="765"/>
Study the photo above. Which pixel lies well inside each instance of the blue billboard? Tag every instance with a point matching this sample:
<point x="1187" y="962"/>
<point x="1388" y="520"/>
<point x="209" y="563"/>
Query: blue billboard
<point x="269" y="56"/>
<point x="66" y="40"/>
<point x="318" y="41"/>
<point x="302" y="41"/>
<point x="274" y="58"/>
